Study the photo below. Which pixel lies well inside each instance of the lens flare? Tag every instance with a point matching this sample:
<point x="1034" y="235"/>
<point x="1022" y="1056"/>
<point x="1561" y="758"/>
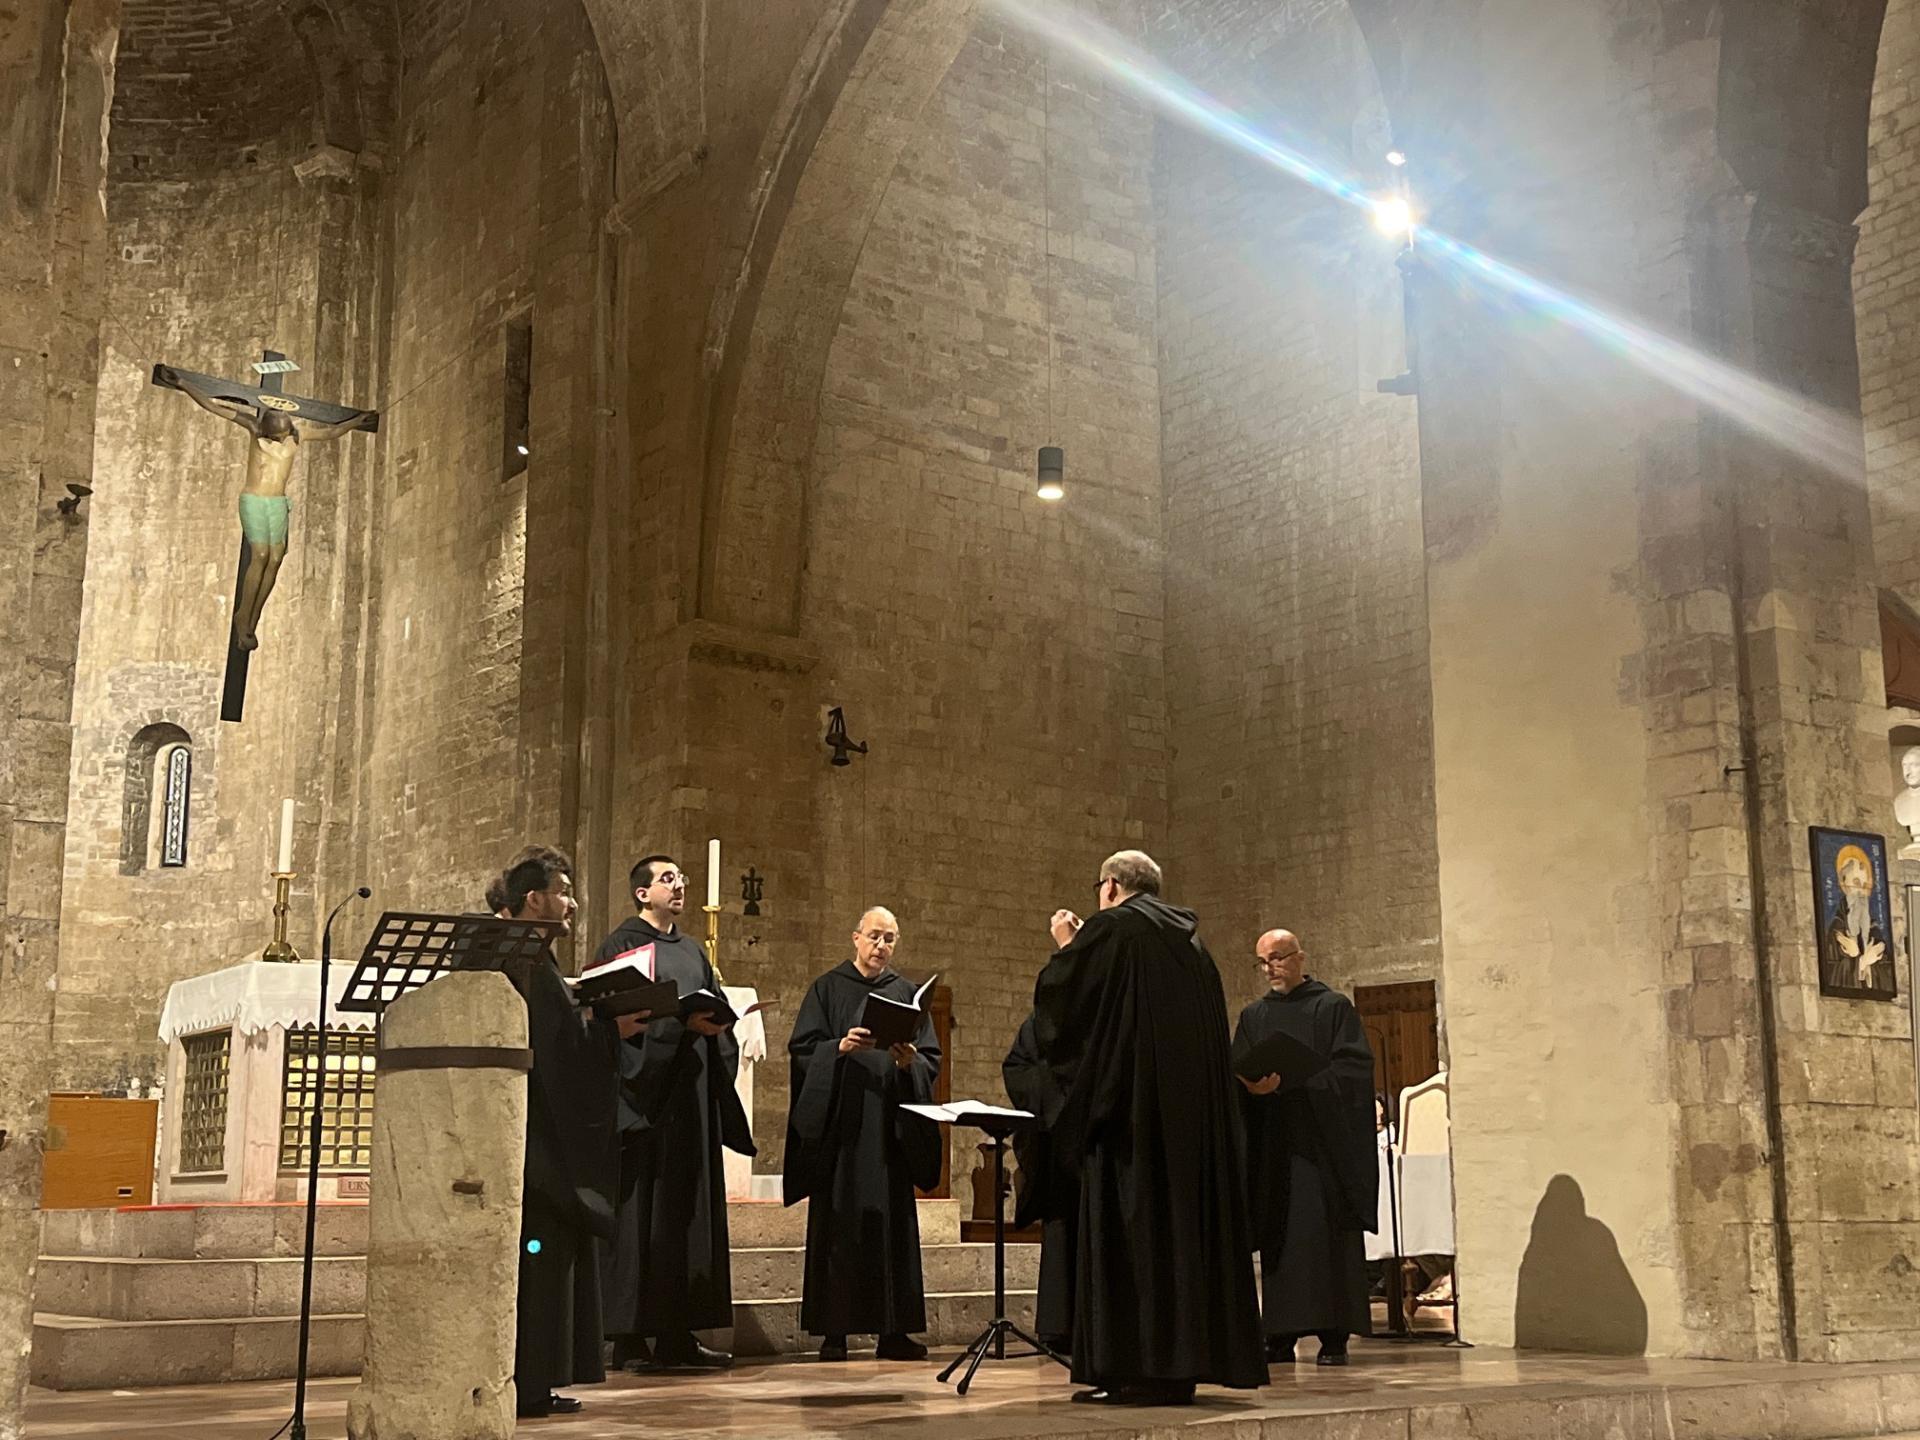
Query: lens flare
<point x="1816" y="433"/>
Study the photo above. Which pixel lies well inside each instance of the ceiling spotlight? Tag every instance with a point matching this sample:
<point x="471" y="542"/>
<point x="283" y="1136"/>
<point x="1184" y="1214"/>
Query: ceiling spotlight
<point x="1053" y="469"/>
<point x="1393" y="217"/>
<point x="1396" y="157"/>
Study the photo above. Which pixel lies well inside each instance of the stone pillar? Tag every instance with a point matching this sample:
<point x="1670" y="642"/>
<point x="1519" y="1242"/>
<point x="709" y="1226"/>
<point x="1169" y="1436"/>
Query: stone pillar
<point x="443" y="1238"/>
<point x="56" y="82"/>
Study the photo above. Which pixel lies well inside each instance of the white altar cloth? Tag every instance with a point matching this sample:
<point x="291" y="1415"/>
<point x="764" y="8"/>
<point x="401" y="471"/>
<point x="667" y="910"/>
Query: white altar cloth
<point x="257" y="995"/>
<point x="1426" y="1207"/>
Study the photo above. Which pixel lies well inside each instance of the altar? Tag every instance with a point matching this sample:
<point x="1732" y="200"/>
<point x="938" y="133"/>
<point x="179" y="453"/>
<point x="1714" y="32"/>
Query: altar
<point x="244" y="1076"/>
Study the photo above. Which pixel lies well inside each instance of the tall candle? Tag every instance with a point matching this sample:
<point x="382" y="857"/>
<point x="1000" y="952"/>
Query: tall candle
<point x="285" y="866"/>
<point x="713" y="873"/>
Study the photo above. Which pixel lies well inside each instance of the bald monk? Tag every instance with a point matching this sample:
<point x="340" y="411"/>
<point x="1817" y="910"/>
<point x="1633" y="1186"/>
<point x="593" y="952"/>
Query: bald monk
<point x="1312" y="1164"/>
<point x="263" y="498"/>
<point x="856" y="1157"/>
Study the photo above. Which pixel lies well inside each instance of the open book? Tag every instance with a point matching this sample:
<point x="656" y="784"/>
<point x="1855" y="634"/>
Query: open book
<point x="716" y="1007"/>
<point x="624" y="985"/>
<point x="894" y="1022"/>
<point x="1293" y="1060"/>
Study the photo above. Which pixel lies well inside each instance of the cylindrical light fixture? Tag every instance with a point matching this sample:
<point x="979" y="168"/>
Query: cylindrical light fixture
<point x="1053" y="470"/>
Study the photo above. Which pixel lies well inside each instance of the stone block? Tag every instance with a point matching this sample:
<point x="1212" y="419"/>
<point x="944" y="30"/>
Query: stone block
<point x="443" y="1254"/>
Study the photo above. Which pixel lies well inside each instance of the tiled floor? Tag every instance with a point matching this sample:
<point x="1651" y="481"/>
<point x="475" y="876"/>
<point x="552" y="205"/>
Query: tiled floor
<point x="1391" y="1392"/>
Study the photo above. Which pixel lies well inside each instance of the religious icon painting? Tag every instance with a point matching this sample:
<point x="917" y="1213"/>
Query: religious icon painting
<point x="1854" y="914"/>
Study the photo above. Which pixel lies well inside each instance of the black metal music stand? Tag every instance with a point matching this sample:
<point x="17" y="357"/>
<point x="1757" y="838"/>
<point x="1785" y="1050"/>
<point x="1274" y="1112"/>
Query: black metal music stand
<point x="1399" y="1323"/>
<point x="407" y="950"/>
<point x="994" y="1337"/>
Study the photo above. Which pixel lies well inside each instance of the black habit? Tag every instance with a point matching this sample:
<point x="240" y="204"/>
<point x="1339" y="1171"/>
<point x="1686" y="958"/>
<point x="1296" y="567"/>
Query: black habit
<point x="572" y="1169"/>
<point x="857" y="1158"/>
<point x="1047" y="1194"/>
<point x="667" y="1271"/>
<point x="1313" y="1167"/>
<point x="1131" y="1019"/>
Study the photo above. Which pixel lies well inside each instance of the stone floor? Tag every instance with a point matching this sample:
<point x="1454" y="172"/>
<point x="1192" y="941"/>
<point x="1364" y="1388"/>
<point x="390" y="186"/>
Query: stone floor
<point x="1392" y="1392"/>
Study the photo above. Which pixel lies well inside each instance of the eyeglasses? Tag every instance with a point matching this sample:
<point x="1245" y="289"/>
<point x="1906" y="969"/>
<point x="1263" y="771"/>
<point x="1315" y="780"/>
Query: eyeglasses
<point x="668" y="878"/>
<point x="881" y="937"/>
<point x="1100" y="885"/>
<point x="1263" y="961"/>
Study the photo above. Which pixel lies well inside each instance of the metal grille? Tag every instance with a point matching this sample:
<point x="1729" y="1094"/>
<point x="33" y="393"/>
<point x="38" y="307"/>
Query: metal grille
<point x="346" y="1104"/>
<point x="173" y="837"/>
<point x="203" y="1101"/>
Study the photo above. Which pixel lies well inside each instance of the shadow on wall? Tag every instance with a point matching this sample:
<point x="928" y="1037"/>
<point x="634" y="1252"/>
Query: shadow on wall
<point x="1575" y="1292"/>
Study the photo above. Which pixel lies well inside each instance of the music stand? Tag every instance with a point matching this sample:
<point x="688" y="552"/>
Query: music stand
<point x="406" y="951"/>
<point x="998" y="1128"/>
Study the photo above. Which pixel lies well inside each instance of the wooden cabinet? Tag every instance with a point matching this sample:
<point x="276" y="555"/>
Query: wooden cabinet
<point x="99" y="1152"/>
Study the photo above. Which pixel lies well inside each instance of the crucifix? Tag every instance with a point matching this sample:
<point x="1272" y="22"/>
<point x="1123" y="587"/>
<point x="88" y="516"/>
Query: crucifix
<point x="277" y="423"/>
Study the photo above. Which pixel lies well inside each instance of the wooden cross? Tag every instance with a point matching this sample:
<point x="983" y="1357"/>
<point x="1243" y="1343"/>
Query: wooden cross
<point x="272" y="367"/>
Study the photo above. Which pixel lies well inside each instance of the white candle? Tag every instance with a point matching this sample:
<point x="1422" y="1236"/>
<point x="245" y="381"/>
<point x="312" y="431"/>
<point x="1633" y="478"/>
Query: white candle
<point x="713" y="873"/>
<point x="285" y="867"/>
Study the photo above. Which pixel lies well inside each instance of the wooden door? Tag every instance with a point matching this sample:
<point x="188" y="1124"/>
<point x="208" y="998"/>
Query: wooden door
<point x="1403" y="1027"/>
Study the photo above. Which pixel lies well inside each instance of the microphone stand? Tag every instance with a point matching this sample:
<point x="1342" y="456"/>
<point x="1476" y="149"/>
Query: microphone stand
<point x="298" y="1428"/>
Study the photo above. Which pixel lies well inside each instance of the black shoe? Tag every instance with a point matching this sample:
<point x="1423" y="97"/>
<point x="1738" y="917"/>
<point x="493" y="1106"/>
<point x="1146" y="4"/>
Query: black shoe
<point x="1093" y="1397"/>
<point x="1279" y="1350"/>
<point x="834" y="1347"/>
<point x="1331" y="1357"/>
<point x="548" y="1405"/>
<point x="689" y="1354"/>
<point x="901" y="1347"/>
<point x="631" y="1353"/>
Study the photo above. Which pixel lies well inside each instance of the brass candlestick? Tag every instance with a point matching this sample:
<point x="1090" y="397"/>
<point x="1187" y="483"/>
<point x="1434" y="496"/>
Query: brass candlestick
<point x="278" y="949"/>
<point x="712" y="943"/>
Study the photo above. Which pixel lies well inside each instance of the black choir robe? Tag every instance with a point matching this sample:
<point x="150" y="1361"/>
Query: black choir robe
<point x="1047" y="1194"/>
<point x="857" y="1158"/>
<point x="572" y="1170"/>
<point x="668" y="1272"/>
<point x="1131" y="1019"/>
<point x="1313" y="1167"/>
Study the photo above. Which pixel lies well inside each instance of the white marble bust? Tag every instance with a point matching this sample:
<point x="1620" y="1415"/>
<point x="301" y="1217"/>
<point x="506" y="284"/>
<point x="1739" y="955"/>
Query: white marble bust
<point x="1906" y="805"/>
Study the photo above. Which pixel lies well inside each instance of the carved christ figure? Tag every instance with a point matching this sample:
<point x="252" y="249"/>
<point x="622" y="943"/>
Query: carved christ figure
<point x="263" y="498"/>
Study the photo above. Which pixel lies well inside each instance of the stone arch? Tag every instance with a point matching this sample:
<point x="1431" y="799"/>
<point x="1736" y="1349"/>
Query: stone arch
<point x="142" y="804"/>
<point x="760" y="438"/>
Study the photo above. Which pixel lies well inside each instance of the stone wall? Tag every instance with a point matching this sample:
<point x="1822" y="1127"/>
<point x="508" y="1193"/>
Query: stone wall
<point x="1888" y="301"/>
<point x="498" y="193"/>
<point x="56" y="83"/>
<point x="1301" y="765"/>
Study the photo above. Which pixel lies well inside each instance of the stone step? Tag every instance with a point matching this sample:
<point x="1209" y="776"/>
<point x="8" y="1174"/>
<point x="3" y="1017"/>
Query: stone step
<point x="105" y="1287"/>
<point x="118" y="1288"/>
<point x="203" y="1232"/>
<point x="79" y="1352"/>
<point x="772" y="1327"/>
<point x="769" y="1225"/>
<point x="251" y="1232"/>
<point x="777" y="1274"/>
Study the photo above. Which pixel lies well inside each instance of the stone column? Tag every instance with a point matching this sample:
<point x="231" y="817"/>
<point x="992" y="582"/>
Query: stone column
<point x="56" y="82"/>
<point x="443" y="1238"/>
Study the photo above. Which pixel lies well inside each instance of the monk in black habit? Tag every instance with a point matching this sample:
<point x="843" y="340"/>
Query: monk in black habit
<point x="1312" y="1160"/>
<point x="1047" y="1195"/>
<point x="1130" y="1017"/>
<point x="668" y="1271"/>
<point x="856" y="1157"/>
<point x="572" y="1163"/>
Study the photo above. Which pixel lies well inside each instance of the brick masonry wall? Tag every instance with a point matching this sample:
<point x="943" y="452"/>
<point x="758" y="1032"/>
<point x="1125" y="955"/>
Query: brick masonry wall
<point x="1300" y="754"/>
